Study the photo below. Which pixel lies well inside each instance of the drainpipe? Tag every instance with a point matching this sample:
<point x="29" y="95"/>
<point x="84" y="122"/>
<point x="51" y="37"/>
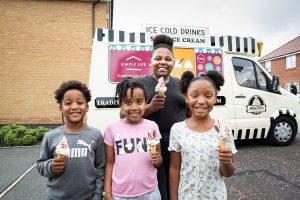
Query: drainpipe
<point x="93" y="16"/>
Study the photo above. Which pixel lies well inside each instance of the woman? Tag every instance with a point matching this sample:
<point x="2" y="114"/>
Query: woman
<point x="165" y="109"/>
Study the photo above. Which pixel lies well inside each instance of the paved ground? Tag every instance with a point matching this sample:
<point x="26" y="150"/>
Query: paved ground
<point x="14" y="162"/>
<point x="266" y="172"/>
<point x="263" y="172"/>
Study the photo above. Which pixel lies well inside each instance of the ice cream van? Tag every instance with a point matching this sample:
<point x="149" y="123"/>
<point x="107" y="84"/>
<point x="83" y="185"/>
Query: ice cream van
<point x="251" y="100"/>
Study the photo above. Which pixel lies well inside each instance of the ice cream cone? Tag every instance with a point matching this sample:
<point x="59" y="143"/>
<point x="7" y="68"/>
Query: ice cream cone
<point x="60" y="156"/>
<point x="152" y="141"/>
<point x="62" y="149"/>
<point x="161" y="93"/>
<point x="259" y="48"/>
<point x="223" y="143"/>
<point x="161" y="87"/>
<point x="152" y="148"/>
<point x="223" y="138"/>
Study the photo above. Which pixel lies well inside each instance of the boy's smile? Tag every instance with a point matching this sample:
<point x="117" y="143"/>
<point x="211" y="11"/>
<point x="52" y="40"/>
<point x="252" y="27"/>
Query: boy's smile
<point x="74" y="106"/>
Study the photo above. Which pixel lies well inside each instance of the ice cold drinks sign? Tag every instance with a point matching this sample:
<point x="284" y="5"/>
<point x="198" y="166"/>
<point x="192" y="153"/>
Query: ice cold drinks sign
<point x="183" y="36"/>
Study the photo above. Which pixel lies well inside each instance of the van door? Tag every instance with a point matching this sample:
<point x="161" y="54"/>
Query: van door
<point x="253" y="100"/>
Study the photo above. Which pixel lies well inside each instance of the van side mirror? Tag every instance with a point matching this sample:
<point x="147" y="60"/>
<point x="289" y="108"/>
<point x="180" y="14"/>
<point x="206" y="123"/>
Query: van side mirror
<point x="275" y="84"/>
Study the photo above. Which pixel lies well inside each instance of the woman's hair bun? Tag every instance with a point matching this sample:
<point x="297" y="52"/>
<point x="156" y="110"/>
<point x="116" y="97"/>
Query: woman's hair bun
<point x="162" y="39"/>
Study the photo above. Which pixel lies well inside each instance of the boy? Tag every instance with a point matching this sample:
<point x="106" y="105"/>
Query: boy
<point x="72" y="155"/>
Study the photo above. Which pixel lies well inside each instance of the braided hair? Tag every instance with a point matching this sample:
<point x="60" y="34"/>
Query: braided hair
<point x="128" y="83"/>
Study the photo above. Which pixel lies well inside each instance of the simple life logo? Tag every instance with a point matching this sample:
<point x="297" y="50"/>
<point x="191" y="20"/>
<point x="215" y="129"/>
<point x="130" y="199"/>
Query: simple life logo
<point x="256" y="105"/>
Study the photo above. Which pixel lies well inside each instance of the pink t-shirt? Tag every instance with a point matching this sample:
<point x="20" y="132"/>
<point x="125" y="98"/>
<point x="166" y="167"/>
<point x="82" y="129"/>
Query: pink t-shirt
<point x="133" y="172"/>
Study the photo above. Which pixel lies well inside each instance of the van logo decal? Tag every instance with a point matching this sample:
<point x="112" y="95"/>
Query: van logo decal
<point x="256" y="105"/>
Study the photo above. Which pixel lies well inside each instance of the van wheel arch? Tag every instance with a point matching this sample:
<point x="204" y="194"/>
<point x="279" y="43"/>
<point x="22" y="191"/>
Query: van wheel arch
<point x="282" y="131"/>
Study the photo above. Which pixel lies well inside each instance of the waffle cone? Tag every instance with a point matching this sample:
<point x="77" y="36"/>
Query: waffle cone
<point x="152" y="148"/>
<point x="161" y="93"/>
<point x="61" y="156"/>
<point x="223" y="144"/>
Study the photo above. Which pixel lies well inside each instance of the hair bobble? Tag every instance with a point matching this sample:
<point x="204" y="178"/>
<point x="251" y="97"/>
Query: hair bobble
<point x="202" y="74"/>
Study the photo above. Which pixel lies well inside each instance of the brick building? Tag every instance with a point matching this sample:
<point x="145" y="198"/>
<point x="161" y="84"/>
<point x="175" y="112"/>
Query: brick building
<point x="42" y="44"/>
<point x="285" y="63"/>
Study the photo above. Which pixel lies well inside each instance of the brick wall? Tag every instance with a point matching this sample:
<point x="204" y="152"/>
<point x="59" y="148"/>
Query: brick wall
<point x="42" y="44"/>
<point x="286" y="75"/>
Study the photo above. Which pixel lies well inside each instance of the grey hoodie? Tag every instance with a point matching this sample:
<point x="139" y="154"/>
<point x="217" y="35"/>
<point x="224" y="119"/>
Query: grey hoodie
<point x="83" y="174"/>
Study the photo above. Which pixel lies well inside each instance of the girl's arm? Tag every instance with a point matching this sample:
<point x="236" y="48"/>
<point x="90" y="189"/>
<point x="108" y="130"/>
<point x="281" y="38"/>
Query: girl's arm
<point x="227" y="167"/>
<point x="174" y="174"/>
<point x="110" y="160"/>
<point x="156" y="157"/>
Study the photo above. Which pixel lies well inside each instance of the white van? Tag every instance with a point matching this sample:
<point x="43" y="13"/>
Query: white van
<point x="251" y="100"/>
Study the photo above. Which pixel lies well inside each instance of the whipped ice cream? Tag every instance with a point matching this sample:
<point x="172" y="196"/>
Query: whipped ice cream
<point x="152" y="141"/>
<point x="161" y="87"/>
<point x="62" y="149"/>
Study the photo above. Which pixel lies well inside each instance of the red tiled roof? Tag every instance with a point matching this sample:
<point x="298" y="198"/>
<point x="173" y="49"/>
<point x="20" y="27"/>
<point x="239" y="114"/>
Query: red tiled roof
<point x="288" y="48"/>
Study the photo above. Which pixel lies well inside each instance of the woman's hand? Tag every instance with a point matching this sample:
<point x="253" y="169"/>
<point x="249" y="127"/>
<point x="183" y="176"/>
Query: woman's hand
<point x="58" y="165"/>
<point x="157" y="102"/>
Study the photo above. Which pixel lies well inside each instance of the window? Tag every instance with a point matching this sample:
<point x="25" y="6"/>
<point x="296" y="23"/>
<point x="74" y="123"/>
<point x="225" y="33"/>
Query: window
<point x="249" y="74"/>
<point x="290" y="62"/>
<point x="262" y="78"/>
<point x="268" y="66"/>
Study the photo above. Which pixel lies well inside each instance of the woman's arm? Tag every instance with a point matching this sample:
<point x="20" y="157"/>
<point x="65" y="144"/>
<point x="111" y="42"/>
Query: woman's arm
<point x="110" y="160"/>
<point x="174" y="174"/>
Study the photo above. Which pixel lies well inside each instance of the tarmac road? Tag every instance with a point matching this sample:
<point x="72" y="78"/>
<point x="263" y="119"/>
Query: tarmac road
<point x="263" y="172"/>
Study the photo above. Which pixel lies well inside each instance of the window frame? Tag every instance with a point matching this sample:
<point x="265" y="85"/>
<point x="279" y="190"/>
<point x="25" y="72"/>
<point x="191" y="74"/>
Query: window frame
<point x="268" y="66"/>
<point x="254" y="67"/>
<point x="290" y="62"/>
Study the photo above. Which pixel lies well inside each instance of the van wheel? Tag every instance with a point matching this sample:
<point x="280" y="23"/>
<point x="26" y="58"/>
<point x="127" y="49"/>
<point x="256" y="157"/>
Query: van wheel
<point x="282" y="132"/>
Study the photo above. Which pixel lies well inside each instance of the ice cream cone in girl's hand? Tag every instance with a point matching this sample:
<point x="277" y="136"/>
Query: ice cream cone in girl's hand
<point x="223" y="137"/>
<point x="161" y="87"/>
<point x="152" y="141"/>
<point x="62" y="149"/>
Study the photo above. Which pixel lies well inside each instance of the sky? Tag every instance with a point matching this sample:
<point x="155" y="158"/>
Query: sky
<point x="274" y="22"/>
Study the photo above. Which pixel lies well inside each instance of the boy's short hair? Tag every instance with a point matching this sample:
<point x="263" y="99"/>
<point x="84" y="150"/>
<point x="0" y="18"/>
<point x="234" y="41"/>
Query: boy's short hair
<point x="70" y="85"/>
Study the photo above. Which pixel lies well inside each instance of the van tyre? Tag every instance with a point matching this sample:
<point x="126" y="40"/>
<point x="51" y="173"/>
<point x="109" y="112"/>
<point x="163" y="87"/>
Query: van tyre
<point x="282" y="132"/>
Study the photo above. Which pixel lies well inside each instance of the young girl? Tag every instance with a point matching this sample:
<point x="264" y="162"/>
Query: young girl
<point x="198" y="161"/>
<point x="130" y="171"/>
<point x="72" y="155"/>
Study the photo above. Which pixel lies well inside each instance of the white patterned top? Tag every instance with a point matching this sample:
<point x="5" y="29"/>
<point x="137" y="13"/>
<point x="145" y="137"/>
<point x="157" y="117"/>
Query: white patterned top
<point x="200" y="176"/>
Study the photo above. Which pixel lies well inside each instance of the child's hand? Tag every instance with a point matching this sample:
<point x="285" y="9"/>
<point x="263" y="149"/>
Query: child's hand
<point x="156" y="159"/>
<point x="225" y="156"/>
<point x="108" y="196"/>
<point x="58" y="165"/>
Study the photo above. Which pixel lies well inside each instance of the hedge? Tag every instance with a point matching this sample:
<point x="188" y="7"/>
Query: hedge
<point x="14" y="135"/>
